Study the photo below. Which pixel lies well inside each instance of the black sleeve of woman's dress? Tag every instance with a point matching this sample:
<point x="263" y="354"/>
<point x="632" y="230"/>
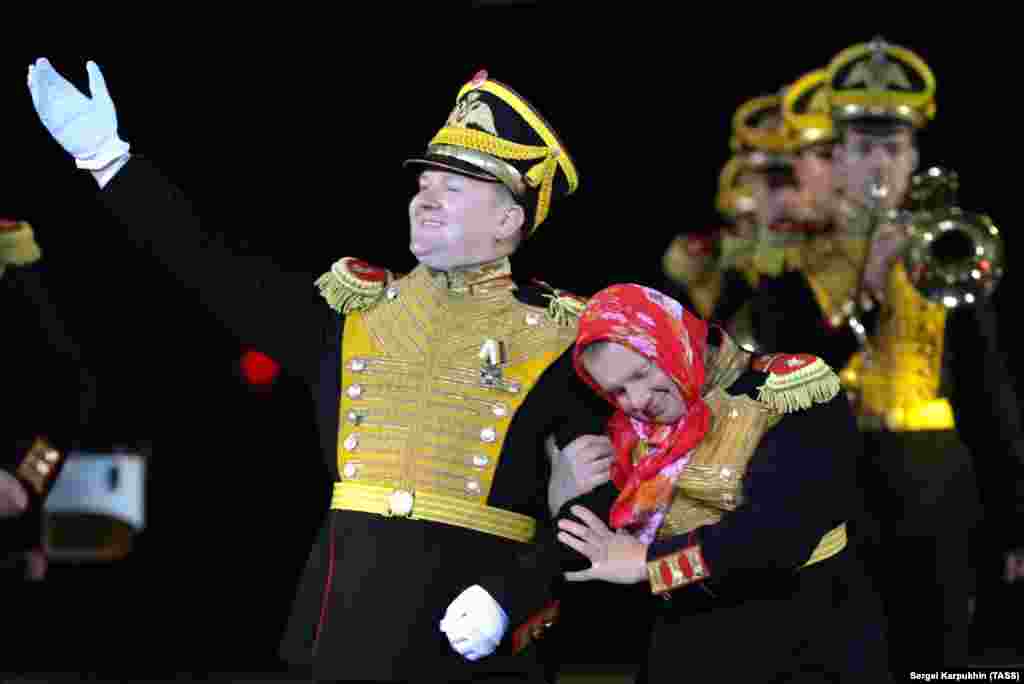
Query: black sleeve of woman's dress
<point x="799" y="485"/>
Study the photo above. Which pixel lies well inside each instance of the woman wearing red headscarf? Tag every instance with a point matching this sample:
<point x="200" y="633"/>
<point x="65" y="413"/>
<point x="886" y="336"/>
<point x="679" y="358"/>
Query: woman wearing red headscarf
<point x="733" y="479"/>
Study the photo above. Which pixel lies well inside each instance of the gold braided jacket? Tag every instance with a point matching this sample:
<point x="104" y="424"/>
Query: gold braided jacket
<point x="415" y="414"/>
<point x="897" y="384"/>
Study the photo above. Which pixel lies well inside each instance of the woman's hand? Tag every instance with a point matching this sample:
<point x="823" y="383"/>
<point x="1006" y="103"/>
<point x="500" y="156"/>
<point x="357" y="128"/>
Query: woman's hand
<point x="614" y="556"/>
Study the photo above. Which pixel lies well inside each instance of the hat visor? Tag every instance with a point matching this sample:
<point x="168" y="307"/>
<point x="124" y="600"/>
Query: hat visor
<point x="878" y="116"/>
<point x="458" y="166"/>
<point x="759" y="160"/>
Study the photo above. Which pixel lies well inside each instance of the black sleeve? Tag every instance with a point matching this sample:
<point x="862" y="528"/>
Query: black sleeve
<point x="798" y="486"/>
<point x="559" y="404"/>
<point x="786" y="318"/>
<point x="987" y="411"/>
<point x="260" y="303"/>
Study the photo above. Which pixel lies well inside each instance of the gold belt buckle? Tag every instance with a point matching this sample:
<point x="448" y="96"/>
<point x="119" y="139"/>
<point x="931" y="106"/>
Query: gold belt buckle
<point x="400" y="503"/>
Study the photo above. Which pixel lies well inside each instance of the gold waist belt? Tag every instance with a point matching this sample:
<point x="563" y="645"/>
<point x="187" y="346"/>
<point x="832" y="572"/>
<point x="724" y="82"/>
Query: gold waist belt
<point x="832" y="543"/>
<point x="440" y="508"/>
<point x="933" y="414"/>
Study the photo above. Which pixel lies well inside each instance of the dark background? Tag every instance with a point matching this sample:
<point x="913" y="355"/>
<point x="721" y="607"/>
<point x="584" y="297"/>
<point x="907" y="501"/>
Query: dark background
<point x="288" y="132"/>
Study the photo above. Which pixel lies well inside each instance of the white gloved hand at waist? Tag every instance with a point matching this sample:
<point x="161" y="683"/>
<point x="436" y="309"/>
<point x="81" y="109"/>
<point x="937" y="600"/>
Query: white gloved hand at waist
<point x="474" y="623"/>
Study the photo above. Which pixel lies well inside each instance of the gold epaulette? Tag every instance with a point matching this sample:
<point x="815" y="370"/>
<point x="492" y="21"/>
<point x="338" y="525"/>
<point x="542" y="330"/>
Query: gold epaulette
<point x="17" y="244"/>
<point x="353" y="285"/>
<point x="795" y="381"/>
<point x="564" y="308"/>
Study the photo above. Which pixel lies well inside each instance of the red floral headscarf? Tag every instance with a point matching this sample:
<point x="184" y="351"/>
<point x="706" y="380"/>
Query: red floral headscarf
<point x="648" y="456"/>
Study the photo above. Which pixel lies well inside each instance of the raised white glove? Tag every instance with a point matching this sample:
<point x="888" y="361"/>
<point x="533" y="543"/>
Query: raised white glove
<point x="86" y="127"/>
<point x="474" y="623"/>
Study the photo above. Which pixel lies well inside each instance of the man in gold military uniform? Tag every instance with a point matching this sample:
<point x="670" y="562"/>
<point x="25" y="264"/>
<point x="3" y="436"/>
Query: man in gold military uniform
<point x="759" y="136"/>
<point x="930" y="383"/>
<point x="784" y="222"/>
<point x="716" y="273"/>
<point x="821" y="267"/>
<point x="435" y="391"/>
<point x="712" y="272"/>
<point x="50" y="398"/>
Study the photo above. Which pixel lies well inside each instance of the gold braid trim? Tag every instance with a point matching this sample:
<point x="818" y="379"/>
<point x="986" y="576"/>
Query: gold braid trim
<point x="345" y="291"/>
<point x="18" y="247"/>
<point x="543" y="174"/>
<point x="814" y="383"/>
<point x="490" y="144"/>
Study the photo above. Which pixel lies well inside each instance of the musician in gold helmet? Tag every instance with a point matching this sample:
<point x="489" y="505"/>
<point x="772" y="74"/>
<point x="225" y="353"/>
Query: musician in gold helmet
<point x="785" y="220"/>
<point x="825" y="266"/>
<point x="435" y="391"/>
<point x="717" y="272"/>
<point x="929" y="382"/>
<point x="759" y="139"/>
<point x="808" y="120"/>
<point x="712" y="272"/>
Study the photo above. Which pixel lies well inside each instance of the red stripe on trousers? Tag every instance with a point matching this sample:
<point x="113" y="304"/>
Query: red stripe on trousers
<point x="325" y="601"/>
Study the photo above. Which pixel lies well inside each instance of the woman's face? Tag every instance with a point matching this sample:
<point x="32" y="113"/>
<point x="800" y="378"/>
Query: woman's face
<point x="637" y="385"/>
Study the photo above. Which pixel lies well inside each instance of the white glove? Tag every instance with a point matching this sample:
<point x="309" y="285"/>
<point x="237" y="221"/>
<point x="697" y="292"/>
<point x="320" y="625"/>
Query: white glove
<point x="86" y="127"/>
<point x="474" y="623"/>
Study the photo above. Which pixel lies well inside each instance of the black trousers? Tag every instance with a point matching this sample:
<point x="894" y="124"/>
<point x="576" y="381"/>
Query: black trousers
<point x="304" y="673"/>
<point x="921" y="503"/>
<point x="819" y="624"/>
<point x="998" y="604"/>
